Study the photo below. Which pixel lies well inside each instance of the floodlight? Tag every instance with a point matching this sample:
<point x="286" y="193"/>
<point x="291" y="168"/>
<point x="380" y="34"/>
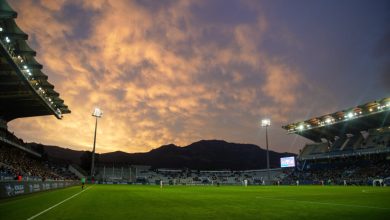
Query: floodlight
<point x="265" y="122"/>
<point x="328" y="120"/>
<point x="301" y="127"/>
<point x="7" y="40"/>
<point x="1" y="29"/>
<point x="350" y="115"/>
<point x="97" y="112"/>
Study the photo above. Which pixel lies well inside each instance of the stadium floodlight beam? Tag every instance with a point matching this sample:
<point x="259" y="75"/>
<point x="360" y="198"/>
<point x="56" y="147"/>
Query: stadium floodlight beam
<point x="97" y="113"/>
<point x="266" y="123"/>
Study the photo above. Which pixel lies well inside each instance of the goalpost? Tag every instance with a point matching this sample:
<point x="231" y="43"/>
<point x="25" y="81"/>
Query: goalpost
<point x="375" y="181"/>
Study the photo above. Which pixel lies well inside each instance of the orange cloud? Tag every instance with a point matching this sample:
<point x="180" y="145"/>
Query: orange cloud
<point x="154" y="73"/>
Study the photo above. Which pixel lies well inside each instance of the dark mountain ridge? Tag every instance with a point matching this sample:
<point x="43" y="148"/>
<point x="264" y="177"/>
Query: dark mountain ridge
<point x="202" y="155"/>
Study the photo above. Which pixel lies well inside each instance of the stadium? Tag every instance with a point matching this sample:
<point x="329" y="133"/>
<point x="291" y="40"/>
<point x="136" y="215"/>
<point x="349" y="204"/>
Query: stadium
<point x="343" y="171"/>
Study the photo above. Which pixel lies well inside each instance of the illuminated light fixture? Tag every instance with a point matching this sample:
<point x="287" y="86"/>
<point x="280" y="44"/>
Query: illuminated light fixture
<point x="1" y="29"/>
<point x="21" y="60"/>
<point x="350" y="115"/>
<point x="300" y="127"/>
<point x="360" y="112"/>
<point x="370" y="109"/>
<point x="25" y="67"/>
<point x="19" y="57"/>
<point x="7" y="40"/>
<point x="97" y="112"/>
<point x="265" y="122"/>
<point x="328" y="120"/>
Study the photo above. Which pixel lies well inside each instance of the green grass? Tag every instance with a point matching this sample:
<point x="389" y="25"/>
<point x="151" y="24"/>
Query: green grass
<point x="204" y="202"/>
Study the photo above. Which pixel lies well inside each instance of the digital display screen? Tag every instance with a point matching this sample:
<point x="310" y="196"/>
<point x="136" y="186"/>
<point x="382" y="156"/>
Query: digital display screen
<point x="287" y="162"/>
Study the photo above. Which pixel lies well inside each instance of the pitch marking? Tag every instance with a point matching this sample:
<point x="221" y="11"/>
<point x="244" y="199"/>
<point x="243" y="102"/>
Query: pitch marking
<point x="324" y="203"/>
<point x="32" y="217"/>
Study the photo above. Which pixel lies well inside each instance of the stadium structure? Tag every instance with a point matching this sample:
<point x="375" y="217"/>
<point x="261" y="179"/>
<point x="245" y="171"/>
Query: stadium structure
<point x="351" y="146"/>
<point x="24" y="92"/>
<point x="360" y="130"/>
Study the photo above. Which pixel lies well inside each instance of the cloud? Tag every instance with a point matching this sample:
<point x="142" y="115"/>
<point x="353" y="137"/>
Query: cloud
<point x="162" y="73"/>
<point x="382" y="53"/>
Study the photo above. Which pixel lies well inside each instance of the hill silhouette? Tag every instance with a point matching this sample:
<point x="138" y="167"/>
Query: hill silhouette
<point x="202" y="155"/>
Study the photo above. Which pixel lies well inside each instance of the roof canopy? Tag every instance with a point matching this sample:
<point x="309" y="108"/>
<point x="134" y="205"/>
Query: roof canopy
<point x="24" y="89"/>
<point x="371" y="115"/>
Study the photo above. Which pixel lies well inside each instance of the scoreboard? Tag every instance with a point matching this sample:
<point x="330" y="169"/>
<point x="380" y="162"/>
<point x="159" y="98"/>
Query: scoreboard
<point x="287" y="162"/>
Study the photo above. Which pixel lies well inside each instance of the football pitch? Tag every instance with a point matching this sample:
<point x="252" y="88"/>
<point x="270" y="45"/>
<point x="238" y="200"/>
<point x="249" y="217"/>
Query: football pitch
<point x="202" y="202"/>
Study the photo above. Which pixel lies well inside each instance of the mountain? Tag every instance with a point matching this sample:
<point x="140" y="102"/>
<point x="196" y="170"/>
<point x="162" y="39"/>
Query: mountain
<point x="59" y="154"/>
<point x="202" y="155"/>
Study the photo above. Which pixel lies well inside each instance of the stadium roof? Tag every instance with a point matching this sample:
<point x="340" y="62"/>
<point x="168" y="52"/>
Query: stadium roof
<point x="375" y="114"/>
<point x="24" y="89"/>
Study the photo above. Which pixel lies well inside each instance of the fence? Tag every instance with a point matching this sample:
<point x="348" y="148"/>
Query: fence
<point x="15" y="188"/>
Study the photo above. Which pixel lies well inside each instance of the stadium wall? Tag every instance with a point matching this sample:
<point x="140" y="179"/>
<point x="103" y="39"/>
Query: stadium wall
<point x="14" y="188"/>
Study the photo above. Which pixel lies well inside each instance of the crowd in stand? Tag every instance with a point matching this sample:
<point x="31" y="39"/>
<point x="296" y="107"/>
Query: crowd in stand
<point x="16" y="164"/>
<point x="350" y="170"/>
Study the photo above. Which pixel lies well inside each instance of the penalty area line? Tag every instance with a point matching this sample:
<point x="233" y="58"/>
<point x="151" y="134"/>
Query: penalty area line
<point x="323" y="203"/>
<point x="48" y="209"/>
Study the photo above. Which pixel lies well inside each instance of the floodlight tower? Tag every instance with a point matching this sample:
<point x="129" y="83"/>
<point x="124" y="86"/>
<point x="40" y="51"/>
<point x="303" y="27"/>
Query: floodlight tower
<point x="266" y="123"/>
<point x="97" y="113"/>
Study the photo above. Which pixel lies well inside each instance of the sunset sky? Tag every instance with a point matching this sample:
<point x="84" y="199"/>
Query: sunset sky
<point x="167" y="71"/>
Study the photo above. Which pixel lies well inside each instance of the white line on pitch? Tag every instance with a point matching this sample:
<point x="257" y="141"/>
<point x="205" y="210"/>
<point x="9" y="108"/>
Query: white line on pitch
<point x="32" y="217"/>
<point x="324" y="203"/>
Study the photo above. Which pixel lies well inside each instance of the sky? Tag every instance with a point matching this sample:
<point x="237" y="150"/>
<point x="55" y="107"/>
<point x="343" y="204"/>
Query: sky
<point x="170" y="71"/>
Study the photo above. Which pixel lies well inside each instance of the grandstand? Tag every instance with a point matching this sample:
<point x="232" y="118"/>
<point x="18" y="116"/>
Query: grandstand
<point x="351" y="145"/>
<point x="145" y="175"/>
<point x="24" y="92"/>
